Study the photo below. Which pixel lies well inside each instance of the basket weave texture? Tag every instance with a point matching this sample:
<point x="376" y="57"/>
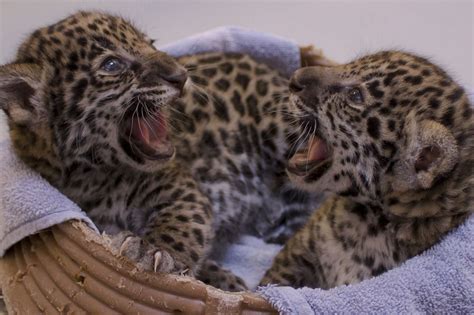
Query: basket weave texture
<point x="71" y="269"/>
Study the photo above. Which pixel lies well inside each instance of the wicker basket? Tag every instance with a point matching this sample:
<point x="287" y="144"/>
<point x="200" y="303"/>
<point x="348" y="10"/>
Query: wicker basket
<point x="70" y="269"/>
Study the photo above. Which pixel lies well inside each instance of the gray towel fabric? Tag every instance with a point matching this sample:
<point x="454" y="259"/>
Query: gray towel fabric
<point x="28" y="203"/>
<point x="439" y="281"/>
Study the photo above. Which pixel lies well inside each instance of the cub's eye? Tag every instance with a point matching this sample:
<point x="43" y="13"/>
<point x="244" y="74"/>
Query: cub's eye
<point x="355" y="95"/>
<point x="112" y="65"/>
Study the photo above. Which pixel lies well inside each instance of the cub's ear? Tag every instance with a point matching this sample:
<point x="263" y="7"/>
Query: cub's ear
<point x="312" y="56"/>
<point x="19" y="84"/>
<point x="436" y="152"/>
<point x="431" y="152"/>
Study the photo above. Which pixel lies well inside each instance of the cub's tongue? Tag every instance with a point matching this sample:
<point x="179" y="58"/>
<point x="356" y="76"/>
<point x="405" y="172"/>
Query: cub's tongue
<point x="151" y="132"/>
<point x="315" y="151"/>
<point x="318" y="149"/>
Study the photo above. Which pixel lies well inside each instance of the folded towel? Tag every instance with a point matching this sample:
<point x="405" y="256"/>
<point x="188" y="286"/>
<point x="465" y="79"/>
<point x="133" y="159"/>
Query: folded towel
<point x="439" y="281"/>
<point x="279" y="53"/>
<point x="29" y="204"/>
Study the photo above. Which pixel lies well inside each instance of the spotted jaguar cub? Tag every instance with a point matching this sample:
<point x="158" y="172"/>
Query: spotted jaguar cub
<point x="174" y="167"/>
<point x="391" y="138"/>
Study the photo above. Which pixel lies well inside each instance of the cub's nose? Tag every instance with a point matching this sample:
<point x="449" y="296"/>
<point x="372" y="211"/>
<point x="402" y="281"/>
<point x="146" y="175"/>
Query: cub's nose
<point x="295" y="86"/>
<point x="176" y="79"/>
<point x="303" y="79"/>
<point x="161" y="68"/>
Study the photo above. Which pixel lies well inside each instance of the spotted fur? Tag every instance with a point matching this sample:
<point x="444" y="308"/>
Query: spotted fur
<point x="72" y="96"/>
<point x="395" y="138"/>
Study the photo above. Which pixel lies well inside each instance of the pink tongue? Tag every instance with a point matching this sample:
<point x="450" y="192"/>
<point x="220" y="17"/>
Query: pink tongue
<point x="151" y="131"/>
<point x="318" y="150"/>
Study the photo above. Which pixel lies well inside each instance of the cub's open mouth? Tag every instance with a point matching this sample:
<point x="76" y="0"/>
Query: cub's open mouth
<point x="146" y="136"/>
<point x="315" y="156"/>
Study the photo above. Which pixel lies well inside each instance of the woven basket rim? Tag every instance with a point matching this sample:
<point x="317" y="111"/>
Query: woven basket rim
<point x="70" y="267"/>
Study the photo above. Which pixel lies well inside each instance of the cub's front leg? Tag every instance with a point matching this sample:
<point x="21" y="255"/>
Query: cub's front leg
<point x="294" y="266"/>
<point x="304" y="260"/>
<point x="178" y="231"/>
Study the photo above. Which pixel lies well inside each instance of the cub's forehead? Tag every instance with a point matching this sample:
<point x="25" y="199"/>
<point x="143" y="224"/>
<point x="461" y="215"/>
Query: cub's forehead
<point x="402" y="73"/>
<point x="394" y="58"/>
<point x="390" y="61"/>
<point x="84" y="31"/>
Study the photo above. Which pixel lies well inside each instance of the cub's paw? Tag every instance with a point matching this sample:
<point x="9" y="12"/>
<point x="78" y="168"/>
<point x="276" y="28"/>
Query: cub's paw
<point x="148" y="256"/>
<point x="280" y="278"/>
<point x="266" y="280"/>
<point x="213" y="274"/>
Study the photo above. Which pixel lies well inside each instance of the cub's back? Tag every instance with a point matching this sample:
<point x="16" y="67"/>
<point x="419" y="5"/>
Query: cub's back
<point x="231" y="129"/>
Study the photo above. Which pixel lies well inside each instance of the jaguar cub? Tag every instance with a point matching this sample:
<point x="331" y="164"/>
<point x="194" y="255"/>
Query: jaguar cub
<point x="184" y="160"/>
<point x="391" y="137"/>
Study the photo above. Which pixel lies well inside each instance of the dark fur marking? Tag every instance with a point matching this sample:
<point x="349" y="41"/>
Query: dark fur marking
<point x="456" y="95"/>
<point x="198" y="235"/>
<point x="237" y="102"/>
<point x="315" y="174"/>
<point x="209" y="72"/>
<point x="220" y="107"/>
<point x="373" y="127"/>
<point x="252" y="108"/>
<point x="243" y="80"/>
<point x="374" y="91"/>
<point x="201" y="98"/>
<point x="226" y="67"/>
<point x="262" y="87"/>
<point x="198" y="219"/>
<point x="222" y="84"/>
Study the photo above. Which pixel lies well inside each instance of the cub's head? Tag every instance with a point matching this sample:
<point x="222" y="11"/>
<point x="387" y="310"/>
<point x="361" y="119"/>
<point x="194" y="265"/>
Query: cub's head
<point x="381" y="128"/>
<point x="91" y="89"/>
